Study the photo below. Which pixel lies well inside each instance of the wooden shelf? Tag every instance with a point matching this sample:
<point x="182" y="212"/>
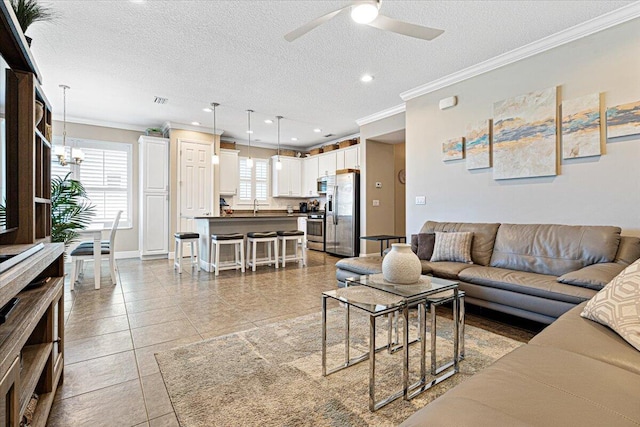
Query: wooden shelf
<point x="44" y="140"/>
<point x="42" y="201"/>
<point x="45" y="401"/>
<point x="34" y="357"/>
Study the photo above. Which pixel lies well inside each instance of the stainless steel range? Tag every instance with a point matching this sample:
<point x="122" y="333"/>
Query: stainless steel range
<point x="315" y="231"/>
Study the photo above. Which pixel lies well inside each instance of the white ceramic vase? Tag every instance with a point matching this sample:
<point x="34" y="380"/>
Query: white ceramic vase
<point x="401" y="265"/>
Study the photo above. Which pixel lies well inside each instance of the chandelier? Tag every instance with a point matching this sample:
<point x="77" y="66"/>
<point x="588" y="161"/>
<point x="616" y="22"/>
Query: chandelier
<point x="77" y="156"/>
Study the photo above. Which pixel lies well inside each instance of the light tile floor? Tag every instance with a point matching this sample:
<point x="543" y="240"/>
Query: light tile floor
<point x="111" y="377"/>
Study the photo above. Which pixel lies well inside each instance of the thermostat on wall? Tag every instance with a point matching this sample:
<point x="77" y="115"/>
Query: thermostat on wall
<point x="450" y="102"/>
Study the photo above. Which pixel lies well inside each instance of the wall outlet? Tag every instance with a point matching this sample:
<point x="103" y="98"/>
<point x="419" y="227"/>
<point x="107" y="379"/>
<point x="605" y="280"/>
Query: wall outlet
<point x="376" y="203"/>
<point x="421" y="200"/>
<point x="378" y="184"/>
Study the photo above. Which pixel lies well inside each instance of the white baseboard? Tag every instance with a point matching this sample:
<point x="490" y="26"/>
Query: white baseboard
<point x="127" y="254"/>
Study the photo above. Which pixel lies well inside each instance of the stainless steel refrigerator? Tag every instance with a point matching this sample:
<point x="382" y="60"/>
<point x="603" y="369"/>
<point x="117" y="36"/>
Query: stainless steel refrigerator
<point x="343" y="214"/>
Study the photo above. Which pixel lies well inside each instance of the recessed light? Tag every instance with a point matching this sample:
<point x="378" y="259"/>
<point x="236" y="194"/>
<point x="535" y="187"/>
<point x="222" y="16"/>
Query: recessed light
<point x="249" y="131"/>
<point x="207" y="110"/>
<point x="268" y="121"/>
<point x="138" y="1"/>
<point x="366" y="78"/>
<point x="294" y="139"/>
<point x="317" y="130"/>
<point x="195" y="123"/>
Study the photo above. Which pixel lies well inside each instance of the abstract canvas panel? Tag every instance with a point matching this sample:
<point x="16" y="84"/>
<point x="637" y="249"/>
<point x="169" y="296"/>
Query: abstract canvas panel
<point x="623" y="120"/>
<point x="524" y="135"/>
<point x="581" y="127"/>
<point x="453" y="149"/>
<point x="478" y="145"/>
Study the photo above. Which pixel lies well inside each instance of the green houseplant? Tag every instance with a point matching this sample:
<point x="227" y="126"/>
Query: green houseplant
<point x="70" y="209"/>
<point x="30" y="11"/>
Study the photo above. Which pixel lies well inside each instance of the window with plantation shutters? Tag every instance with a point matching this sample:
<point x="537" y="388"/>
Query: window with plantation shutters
<point x="106" y="174"/>
<point x="253" y="181"/>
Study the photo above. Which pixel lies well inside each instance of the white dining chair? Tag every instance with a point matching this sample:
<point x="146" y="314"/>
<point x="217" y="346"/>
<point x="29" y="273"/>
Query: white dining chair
<point x="84" y="252"/>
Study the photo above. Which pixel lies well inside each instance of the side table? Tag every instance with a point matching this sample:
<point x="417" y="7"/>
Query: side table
<point x="385" y="238"/>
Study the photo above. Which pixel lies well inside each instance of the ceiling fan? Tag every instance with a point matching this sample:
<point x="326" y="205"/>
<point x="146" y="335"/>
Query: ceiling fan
<point x="366" y="12"/>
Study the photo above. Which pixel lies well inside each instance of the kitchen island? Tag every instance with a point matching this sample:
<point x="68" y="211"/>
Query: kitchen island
<point x="207" y="225"/>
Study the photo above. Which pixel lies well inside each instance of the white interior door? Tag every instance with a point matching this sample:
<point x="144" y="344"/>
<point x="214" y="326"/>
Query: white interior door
<point x="196" y="183"/>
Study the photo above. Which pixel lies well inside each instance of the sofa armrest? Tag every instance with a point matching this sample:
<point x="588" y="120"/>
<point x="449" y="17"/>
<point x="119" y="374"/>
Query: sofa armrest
<point x="594" y="276"/>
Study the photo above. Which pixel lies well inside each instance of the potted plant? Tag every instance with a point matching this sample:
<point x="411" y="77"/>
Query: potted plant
<point x="71" y="210"/>
<point x="30" y="11"/>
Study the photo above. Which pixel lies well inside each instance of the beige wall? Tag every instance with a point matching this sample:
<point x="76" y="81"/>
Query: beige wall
<point x="597" y="190"/>
<point x="127" y="238"/>
<point x="400" y="209"/>
<point x="377" y="161"/>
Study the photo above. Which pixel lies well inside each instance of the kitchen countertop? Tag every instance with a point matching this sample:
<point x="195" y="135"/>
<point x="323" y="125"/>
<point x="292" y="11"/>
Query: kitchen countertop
<point x="251" y="215"/>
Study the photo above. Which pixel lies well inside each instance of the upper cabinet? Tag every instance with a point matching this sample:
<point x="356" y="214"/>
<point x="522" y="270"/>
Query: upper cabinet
<point x="286" y="182"/>
<point x="228" y="172"/>
<point x="327" y="163"/>
<point x="349" y="158"/>
<point x="154" y="163"/>
<point x="310" y="177"/>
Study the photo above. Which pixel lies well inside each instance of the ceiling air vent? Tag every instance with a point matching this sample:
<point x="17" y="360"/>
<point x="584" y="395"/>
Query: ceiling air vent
<point x="329" y="135"/>
<point x="160" y="100"/>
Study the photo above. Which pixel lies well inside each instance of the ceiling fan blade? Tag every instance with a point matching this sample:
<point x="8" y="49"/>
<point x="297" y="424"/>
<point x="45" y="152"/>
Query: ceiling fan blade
<point x="412" y="30"/>
<point x="299" y="32"/>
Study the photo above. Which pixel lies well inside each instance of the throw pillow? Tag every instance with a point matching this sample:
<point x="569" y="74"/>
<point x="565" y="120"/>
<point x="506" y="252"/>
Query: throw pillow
<point x="452" y="247"/>
<point x="422" y="245"/>
<point x="617" y="305"/>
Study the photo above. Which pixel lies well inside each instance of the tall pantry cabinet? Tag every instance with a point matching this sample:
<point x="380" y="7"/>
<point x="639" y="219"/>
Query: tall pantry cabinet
<point x="154" y="197"/>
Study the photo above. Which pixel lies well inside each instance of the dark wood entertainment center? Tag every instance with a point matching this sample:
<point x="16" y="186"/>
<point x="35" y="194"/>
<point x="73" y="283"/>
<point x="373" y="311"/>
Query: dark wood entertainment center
<point x="32" y="336"/>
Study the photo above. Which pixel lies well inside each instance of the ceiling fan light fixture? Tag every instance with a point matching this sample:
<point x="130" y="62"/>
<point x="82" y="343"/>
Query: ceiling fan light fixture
<point x="364" y="13"/>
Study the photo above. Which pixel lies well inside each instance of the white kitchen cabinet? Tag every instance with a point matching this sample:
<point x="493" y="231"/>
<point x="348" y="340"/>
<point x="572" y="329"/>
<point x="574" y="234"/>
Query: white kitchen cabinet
<point x="351" y="157"/>
<point x="310" y="177"/>
<point x="228" y="172"/>
<point x="286" y="182"/>
<point x="327" y="163"/>
<point x="153" y="236"/>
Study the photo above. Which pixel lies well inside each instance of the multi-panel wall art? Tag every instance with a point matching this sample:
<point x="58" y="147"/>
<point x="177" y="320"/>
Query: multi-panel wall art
<point x="478" y="145"/>
<point x="623" y="120"/>
<point x="524" y="135"/>
<point x="581" y="127"/>
<point x="453" y="149"/>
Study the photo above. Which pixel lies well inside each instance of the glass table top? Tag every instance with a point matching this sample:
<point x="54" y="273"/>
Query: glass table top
<point x="426" y="286"/>
<point x="368" y="299"/>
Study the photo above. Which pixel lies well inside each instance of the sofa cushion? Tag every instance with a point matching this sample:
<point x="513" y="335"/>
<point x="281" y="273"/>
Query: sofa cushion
<point x="617" y="305"/>
<point x="628" y="251"/>
<point x="444" y="269"/>
<point x="452" y="247"/>
<point x="422" y="245"/>
<point x="573" y="333"/>
<point x="484" y="236"/>
<point x="540" y="285"/>
<point x="553" y="249"/>
<point x="542" y="386"/>
<point x="594" y="276"/>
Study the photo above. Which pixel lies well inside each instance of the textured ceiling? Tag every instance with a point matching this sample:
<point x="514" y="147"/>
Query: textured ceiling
<point x="118" y="55"/>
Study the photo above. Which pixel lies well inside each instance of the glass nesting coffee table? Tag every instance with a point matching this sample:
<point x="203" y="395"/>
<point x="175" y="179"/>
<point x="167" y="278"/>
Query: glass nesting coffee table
<point x="377" y="297"/>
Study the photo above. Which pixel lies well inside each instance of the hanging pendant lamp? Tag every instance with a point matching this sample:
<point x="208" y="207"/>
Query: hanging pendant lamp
<point x="249" y="132"/>
<point x="215" y="158"/>
<point x="61" y="150"/>
<point x="278" y="163"/>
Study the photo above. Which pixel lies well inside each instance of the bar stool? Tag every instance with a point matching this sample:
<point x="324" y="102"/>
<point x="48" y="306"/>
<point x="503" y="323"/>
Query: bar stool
<point x="268" y="237"/>
<point x="296" y="236"/>
<point x="186" y="237"/>
<point x="217" y="240"/>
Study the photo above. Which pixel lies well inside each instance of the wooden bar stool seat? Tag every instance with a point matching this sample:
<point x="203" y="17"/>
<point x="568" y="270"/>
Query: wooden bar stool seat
<point x="218" y="240"/>
<point x="269" y="238"/>
<point x="299" y="254"/>
<point x="186" y="237"/>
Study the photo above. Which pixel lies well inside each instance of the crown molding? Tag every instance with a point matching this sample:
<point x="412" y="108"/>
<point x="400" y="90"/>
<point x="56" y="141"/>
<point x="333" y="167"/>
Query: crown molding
<point x="333" y="141"/>
<point x="167" y="126"/>
<point x="90" y="122"/>
<point x="382" y="114"/>
<point x="608" y="20"/>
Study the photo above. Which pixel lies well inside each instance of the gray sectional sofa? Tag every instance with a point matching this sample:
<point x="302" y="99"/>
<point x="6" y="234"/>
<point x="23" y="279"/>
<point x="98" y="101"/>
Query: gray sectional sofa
<point x="574" y="373"/>
<point x="534" y="271"/>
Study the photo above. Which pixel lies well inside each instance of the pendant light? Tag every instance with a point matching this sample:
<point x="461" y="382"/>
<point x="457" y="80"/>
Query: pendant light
<point x="279" y="163"/>
<point x="61" y="150"/>
<point x="215" y="158"/>
<point x="249" y="132"/>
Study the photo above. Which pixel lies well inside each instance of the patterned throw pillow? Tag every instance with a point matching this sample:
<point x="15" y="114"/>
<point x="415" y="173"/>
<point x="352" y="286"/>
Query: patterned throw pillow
<point x="452" y="247"/>
<point x="617" y="305"/>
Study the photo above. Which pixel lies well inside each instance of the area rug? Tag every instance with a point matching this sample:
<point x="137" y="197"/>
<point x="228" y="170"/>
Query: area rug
<point x="271" y="376"/>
